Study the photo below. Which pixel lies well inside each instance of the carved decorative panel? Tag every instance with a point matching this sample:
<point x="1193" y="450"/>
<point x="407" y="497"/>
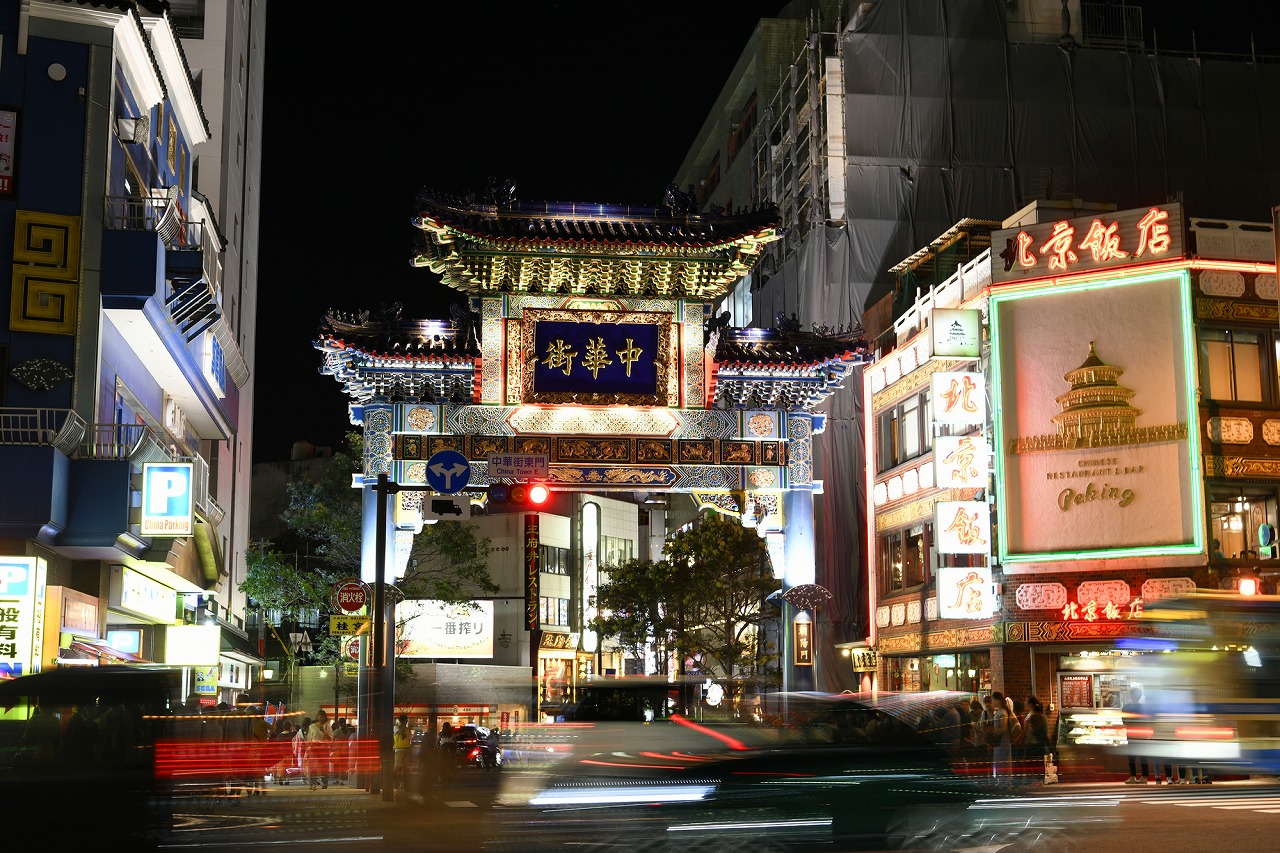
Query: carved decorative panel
<point x="1265" y="286"/>
<point x="1229" y="430"/>
<point x="910" y="482"/>
<point x="898" y="614"/>
<point x="1040" y="596"/>
<point x="1154" y="589"/>
<point x="1221" y="283"/>
<point x="913" y="611"/>
<point x="882" y="617"/>
<point x="931" y="607"/>
<point x="1271" y="432"/>
<point x="880" y="494"/>
<point x="1115" y="591"/>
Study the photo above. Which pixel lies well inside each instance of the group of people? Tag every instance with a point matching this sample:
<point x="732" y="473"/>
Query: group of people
<point x="320" y="749"/>
<point x="1004" y="732"/>
<point x="1160" y="772"/>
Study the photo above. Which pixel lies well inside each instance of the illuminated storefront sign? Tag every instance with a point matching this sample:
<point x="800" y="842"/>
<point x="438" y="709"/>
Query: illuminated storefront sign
<point x="803" y="638"/>
<point x="958" y="398"/>
<point x="139" y="595"/>
<point x="192" y="645"/>
<point x="957" y="333"/>
<point x="960" y="461"/>
<point x="962" y="527"/>
<point x="532" y="568"/>
<point x="1105" y="611"/>
<point x="439" y="629"/>
<point x="168" y="499"/>
<point x="593" y="356"/>
<point x="1094" y="407"/>
<point x="22" y="594"/>
<point x="590" y="572"/>
<point x="1088" y="243"/>
<point x="965" y="592"/>
<point x="863" y="660"/>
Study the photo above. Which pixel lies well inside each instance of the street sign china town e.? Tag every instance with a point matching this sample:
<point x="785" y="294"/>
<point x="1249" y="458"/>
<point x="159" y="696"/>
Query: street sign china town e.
<point x="350" y="595"/>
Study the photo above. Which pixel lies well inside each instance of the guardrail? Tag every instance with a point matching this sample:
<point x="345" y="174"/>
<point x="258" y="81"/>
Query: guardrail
<point x="59" y="428"/>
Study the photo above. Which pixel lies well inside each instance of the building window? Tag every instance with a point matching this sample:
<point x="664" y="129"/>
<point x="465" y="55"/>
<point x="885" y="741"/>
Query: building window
<point x="554" y="561"/>
<point x="1231" y="366"/>
<point x="1236" y="511"/>
<point x="904" y="558"/>
<point x="903" y="432"/>
<point x="616" y="550"/>
<point x="553" y="611"/>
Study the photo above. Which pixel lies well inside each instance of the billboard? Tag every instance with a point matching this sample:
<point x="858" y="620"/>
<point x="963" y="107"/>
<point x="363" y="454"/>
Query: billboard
<point x="440" y="629"/>
<point x="1094" y="406"/>
<point x="22" y="592"/>
<point x="168" y="499"/>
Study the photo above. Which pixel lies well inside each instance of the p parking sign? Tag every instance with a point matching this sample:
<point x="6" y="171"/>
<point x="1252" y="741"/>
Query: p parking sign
<point x="168" y="499"/>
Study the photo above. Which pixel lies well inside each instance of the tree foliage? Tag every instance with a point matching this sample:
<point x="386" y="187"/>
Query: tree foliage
<point x="704" y="602"/>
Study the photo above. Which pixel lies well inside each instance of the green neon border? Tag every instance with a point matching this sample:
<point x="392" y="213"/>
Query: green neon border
<point x="1190" y="378"/>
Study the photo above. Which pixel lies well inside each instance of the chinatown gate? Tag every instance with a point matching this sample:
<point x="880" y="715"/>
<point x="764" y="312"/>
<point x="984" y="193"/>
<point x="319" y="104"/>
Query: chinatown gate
<point x="587" y="337"/>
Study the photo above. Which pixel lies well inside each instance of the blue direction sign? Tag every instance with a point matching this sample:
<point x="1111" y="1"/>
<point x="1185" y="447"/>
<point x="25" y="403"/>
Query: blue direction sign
<point x="448" y="472"/>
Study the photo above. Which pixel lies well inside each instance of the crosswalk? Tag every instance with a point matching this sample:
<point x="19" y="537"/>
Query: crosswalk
<point x="1266" y="804"/>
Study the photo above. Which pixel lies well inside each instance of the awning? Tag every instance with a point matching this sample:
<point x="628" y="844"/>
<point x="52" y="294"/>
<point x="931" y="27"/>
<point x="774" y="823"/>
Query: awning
<point x="241" y="648"/>
<point x="101" y="651"/>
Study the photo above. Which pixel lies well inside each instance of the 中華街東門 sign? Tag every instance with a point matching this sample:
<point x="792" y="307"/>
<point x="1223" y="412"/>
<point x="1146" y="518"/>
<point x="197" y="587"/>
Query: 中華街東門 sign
<point x="168" y="499"/>
<point x="22" y="595"/>
<point x="441" y="629"/>
<point x="596" y="356"/>
<point x="1094" y="394"/>
<point x="1109" y="240"/>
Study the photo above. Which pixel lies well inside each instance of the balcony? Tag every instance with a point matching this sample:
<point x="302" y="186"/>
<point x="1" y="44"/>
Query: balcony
<point x="35" y="445"/>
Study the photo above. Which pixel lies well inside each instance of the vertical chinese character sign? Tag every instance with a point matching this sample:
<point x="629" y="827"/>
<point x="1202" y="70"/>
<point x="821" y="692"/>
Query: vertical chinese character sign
<point x="962" y="527"/>
<point x="958" y="398"/>
<point x="960" y="462"/>
<point x="22" y="581"/>
<point x="965" y="592"/>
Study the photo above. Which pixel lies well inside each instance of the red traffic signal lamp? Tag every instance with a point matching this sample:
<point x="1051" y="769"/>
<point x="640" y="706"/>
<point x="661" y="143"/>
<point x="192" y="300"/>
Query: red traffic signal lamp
<point x="519" y="495"/>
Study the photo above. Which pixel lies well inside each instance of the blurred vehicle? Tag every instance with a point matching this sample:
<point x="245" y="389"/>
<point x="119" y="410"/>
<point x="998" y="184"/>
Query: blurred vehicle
<point x="851" y="771"/>
<point x="1210" y="678"/>
<point x="476" y="746"/>
<point x="632" y="698"/>
<point x="78" y="753"/>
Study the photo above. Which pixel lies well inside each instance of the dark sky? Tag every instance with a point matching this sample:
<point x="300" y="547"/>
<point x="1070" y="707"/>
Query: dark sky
<point x="576" y="101"/>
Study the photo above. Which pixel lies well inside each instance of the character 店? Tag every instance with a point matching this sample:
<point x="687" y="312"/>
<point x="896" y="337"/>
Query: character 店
<point x="1150" y="237"/>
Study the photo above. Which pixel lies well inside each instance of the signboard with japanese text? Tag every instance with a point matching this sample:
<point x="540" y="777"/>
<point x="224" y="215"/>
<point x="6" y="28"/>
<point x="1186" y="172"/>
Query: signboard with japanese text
<point x="596" y="357"/>
<point x="168" y="499"/>
<point x="1095" y="420"/>
<point x="137" y="594"/>
<point x="350" y="595"/>
<point x="803" y="639"/>
<point x="8" y="136"/>
<point x="962" y="527"/>
<point x="961" y="462"/>
<point x="863" y="660"/>
<point x="532" y="569"/>
<point x="348" y="624"/>
<point x="439" y="629"/>
<point x="958" y="398"/>
<point x="520" y="467"/>
<point x="22" y="595"/>
<point x="965" y="592"/>
<point x="957" y="333"/>
<point x="1088" y="243"/>
<point x="1075" y="691"/>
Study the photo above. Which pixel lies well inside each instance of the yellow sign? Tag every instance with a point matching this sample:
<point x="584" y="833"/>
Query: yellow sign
<point x="348" y="624"/>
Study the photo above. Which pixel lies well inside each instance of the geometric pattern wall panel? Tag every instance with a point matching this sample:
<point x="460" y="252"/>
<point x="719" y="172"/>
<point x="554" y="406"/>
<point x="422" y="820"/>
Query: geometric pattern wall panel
<point x="1113" y="591"/>
<point x="1041" y="596"/>
<point x="1154" y="589"/>
<point x="1229" y="430"/>
<point x="46" y="252"/>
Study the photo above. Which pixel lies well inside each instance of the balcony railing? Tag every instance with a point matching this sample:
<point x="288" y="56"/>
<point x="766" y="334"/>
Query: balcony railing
<point x="1111" y="24"/>
<point x="161" y="215"/>
<point x="59" y="428"/>
<point x="137" y="443"/>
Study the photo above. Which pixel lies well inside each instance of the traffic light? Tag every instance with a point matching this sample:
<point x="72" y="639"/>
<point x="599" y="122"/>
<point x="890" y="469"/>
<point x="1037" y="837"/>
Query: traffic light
<point x="519" y="495"/>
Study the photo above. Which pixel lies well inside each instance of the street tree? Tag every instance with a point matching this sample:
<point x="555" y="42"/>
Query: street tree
<point x="632" y="603"/>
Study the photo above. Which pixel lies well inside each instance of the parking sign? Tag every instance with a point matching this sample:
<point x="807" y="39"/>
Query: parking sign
<point x="168" y="499"/>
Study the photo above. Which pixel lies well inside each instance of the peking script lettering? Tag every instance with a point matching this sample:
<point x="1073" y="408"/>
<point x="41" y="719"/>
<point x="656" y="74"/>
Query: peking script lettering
<point x="1068" y="498"/>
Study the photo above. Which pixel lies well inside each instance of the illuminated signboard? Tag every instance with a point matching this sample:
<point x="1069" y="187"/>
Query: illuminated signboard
<point x="957" y="333"/>
<point x="590" y="572"/>
<point x="192" y="645"/>
<point x="532" y="568"/>
<point x="803" y="639"/>
<point x="441" y="629"/>
<point x="8" y="140"/>
<point x="22" y="593"/>
<point x="958" y="398"/>
<point x="596" y="357"/>
<point x="962" y="527"/>
<point x="168" y="499"/>
<point x="960" y="462"/>
<point x="1094" y="407"/>
<point x="1100" y="241"/>
<point x="141" y="596"/>
<point x="965" y="592"/>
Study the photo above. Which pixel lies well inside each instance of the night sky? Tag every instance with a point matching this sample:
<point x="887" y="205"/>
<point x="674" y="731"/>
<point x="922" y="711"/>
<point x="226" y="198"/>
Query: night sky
<point x="366" y="104"/>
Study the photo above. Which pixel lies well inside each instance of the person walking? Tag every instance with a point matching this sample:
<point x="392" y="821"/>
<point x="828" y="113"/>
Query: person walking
<point x="317" y="738"/>
<point x="1132" y="711"/>
<point x="1000" y="736"/>
<point x="400" y="744"/>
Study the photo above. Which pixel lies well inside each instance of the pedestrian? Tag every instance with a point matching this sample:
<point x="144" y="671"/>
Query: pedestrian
<point x="317" y="738"/>
<point x="300" y="746"/>
<point x="445" y="752"/>
<point x="1133" y="711"/>
<point x="338" y="755"/>
<point x="400" y="745"/>
<point x="1000" y="736"/>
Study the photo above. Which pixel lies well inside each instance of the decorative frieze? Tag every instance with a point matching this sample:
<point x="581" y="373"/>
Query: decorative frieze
<point x="1154" y="589"/>
<point x="1040" y="596"/>
<point x="1222" y="283"/>
<point x="1104" y="592"/>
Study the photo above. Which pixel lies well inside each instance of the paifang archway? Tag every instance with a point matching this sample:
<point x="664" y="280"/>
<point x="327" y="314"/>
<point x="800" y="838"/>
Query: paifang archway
<point x="587" y="335"/>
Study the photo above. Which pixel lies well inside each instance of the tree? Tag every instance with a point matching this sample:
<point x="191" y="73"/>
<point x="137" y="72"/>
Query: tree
<point x="727" y="576"/>
<point x="704" y="602"/>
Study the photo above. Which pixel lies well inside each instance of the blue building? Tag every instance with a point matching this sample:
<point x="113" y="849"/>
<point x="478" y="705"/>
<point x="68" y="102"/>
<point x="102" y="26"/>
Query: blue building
<point x="123" y="381"/>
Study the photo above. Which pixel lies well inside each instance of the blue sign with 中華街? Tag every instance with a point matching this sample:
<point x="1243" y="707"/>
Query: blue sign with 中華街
<point x="448" y="472"/>
<point x="595" y="358"/>
<point x="168" y="499"/>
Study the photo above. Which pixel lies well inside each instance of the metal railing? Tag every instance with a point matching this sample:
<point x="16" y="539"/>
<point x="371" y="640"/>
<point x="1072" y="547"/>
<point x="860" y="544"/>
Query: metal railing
<point x="136" y="443"/>
<point x="161" y="216"/>
<point x="58" y="428"/>
<point x="1111" y="24"/>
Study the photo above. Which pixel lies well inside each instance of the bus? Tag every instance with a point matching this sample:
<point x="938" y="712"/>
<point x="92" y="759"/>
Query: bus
<point x="1210" y="679"/>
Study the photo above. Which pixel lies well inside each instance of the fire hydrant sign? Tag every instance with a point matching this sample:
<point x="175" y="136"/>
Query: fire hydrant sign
<point x="350" y="596"/>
